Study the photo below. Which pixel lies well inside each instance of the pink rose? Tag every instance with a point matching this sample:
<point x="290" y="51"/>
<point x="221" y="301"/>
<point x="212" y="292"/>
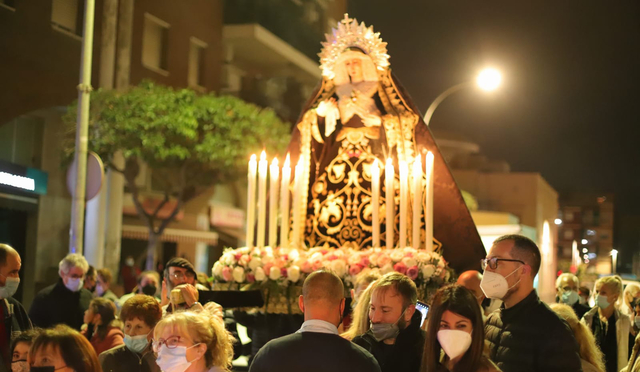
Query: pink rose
<point x="251" y="278"/>
<point x="412" y="272"/>
<point x="324" y="251"/>
<point x="238" y="256"/>
<point x="355" y="269"/>
<point x="306" y="267"/>
<point x="280" y="263"/>
<point x="364" y="261"/>
<point x="400" y="267"/>
<point x="267" y="267"/>
<point x="331" y="257"/>
<point x="317" y="265"/>
<point x="227" y="274"/>
<point x="283" y="272"/>
<point x="408" y="254"/>
<point x="384" y="260"/>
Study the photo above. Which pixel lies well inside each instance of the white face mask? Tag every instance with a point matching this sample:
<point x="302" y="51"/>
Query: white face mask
<point x="174" y="360"/>
<point x="19" y="366"/>
<point x="602" y="302"/>
<point x="454" y="342"/>
<point x="74" y="284"/>
<point x="99" y="290"/>
<point x="570" y="297"/>
<point x="495" y="285"/>
<point x="10" y="287"/>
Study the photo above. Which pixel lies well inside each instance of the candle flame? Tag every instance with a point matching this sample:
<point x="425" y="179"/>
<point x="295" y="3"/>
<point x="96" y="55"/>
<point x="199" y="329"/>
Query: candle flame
<point x="274" y="163"/>
<point x="286" y="162"/>
<point x="263" y="156"/>
<point x="253" y="157"/>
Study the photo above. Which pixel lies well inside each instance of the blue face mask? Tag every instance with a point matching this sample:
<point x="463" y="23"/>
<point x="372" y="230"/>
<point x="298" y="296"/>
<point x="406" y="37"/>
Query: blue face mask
<point x="137" y="344"/>
<point x="602" y="302"/>
<point x="10" y="287"/>
<point x="570" y="297"/>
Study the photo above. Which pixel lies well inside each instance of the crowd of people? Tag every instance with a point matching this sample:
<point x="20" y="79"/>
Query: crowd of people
<point x="491" y="321"/>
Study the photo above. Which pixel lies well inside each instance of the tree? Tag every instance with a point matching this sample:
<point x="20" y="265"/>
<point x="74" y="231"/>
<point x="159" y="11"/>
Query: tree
<point x="188" y="140"/>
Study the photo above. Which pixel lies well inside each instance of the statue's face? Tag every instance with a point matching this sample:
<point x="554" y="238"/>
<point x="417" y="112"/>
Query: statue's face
<point x="354" y="69"/>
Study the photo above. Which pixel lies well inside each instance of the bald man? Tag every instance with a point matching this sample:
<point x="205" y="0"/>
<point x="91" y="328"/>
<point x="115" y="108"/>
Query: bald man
<point x="471" y="280"/>
<point x="316" y="346"/>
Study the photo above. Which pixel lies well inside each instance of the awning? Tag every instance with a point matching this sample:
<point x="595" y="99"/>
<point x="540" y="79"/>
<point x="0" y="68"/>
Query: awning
<point x="171" y="235"/>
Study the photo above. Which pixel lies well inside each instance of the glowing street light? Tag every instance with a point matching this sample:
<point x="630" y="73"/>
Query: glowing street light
<point x="489" y="79"/>
<point x="585" y="241"/>
<point x="614" y="259"/>
<point x="558" y="221"/>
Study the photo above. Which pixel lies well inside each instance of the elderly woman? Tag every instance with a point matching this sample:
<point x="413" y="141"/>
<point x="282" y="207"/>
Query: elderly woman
<point x="140" y="314"/>
<point x="192" y="342"/>
<point x="64" y="349"/>
<point x="102" y="328"/>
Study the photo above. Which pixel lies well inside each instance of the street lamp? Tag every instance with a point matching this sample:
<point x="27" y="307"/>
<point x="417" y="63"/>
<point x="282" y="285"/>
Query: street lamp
<point x="489" y="79"/>
<point x="614" y="258"/>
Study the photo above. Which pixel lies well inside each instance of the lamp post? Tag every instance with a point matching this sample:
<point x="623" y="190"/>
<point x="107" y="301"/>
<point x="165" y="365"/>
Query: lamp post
<point x="488" y="80"/>
<point x="614" y="259"/>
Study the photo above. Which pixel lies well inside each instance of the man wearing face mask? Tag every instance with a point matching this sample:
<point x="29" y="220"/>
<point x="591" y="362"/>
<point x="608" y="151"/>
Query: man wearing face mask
<point x="14" y="315"/>
<point x="148" y="284"/>
<point x="316" y="346"/>
<point x="525" y="335"/>
<point x="65" y="301"/>
<point x="394" y="338"/>
<point x="567" y="293"/>
<point x="103" y="285"/>
<point x="471" y="280"/>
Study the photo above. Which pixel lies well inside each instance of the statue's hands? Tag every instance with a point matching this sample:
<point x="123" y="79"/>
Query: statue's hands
<point x="372" y="120"/>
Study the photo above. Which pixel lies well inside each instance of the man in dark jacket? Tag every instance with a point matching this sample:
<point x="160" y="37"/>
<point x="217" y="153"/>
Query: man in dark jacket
<point x="66" y="301"/>
<point x="395" y="338"/>
<point x="14" y="315"/>
<point x="317" y="346"/>
<point x="567" y="286"/>
<point x="524" y="335"/>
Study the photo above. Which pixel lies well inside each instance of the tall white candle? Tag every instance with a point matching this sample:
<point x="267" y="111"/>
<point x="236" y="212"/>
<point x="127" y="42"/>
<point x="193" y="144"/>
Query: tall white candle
<point x="428" y="212"/>
<point x="389" y="173"/>
<point x="404" y="201"/>
<point x="262" y="199"/>
<point x="284" y="204"/>
<point x="375" y="204"/>
<point x="417" y="201"/>
<point x="274" y="176"/>
<point x="297" y="200"/>
<point x="251" y="201"/>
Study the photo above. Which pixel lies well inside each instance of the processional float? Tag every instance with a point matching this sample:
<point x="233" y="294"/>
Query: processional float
<point x="363" y="187"/>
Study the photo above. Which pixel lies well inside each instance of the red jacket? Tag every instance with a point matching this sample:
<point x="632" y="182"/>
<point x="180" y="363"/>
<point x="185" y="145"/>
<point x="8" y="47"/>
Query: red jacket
<point x="114" y="338"/>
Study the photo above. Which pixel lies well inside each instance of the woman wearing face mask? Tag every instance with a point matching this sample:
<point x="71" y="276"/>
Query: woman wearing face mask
<point x="631" y="294"/>
<point x="140" y="314"/>
<point x="609" y="326"/>
<point x="455" y="327"/>
<point x="192" y="342"/>
<point x="62" y="349"/>
<point x="102" y="328"/>
<point x="103" y="285"/>
<point x="20" y="345"/>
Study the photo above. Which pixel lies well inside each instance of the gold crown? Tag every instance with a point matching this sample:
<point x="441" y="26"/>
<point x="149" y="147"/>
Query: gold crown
<point x="349" y="34"/>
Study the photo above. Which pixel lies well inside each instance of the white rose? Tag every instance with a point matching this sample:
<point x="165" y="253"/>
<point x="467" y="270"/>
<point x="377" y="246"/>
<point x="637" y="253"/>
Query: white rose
<point x="428" y="271"/>
<point x="423" y="256"/>
<point x="354" y="259"/>
<point x="260" y="275"/>
<point x="255" y="263"/>
<point x="396" y="255"/>
<point x="293" y="273"/>
<point x="216" y="271"/>
<point x="274" y="273"/>
<point x="339" y="268"/>
<point x="228" y="259"/>
<point x="410" y="261"/>
<point x="267" y="259"/>
<point x="373" y="259"/>
<point x="238" y="274"/>
<point x="441" y="264"/>
<point x="316" y="257"/>
<point x="386" y="269"/>
<point x="294" y="255"/>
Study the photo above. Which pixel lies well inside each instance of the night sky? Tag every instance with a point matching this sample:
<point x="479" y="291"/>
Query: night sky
<point x="569" y="107"/>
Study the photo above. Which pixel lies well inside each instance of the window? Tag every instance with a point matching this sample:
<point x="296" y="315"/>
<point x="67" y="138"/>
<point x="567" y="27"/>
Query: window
<point x="197" y="63"/>
<point x="67" y="15"/>
<point x="568" y="216"/>
<point x="155" y="45"/>
<point x="568" y="234"/>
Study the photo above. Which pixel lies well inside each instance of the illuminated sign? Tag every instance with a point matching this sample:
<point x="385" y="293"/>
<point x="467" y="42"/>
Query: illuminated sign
<point x="17" y="181"/>
<point x="19" y="178"/>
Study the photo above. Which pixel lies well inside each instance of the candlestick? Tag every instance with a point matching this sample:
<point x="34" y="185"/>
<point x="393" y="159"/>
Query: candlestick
<point x="417" y="201"/>
<point x="375" y="204"/>
<point x="428" y="213"/>
<point x="389" y="173"/>
<point x="404" y="193"/>
<point x="284" y="203"/>
<point x="251" y="201"/>
<point x="262" y="199"/>
<point x="274" y="175"/>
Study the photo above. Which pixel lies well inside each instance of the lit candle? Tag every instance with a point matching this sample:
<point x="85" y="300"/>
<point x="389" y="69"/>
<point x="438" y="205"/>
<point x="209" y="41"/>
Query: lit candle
<point x="389" y="173"/>
<point x="262" y="199"/>
<point x="251" y="201"/>
<point x="417" y="201"/>
<point x="274" y="176"/>
<point x="375" y="204"/>
<point x="284" y="204"/>
<point x="297" y="200"/>
<point x="428" y="213"/>
<point x="404" y="199"/>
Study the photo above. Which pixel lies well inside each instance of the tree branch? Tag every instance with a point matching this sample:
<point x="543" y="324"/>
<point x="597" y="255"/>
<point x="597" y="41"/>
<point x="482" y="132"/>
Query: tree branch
<point x="113" y="166"/>
<point x="175" y="211"/>
<point x="135" y="195"/>
<point x="162" y="204"/>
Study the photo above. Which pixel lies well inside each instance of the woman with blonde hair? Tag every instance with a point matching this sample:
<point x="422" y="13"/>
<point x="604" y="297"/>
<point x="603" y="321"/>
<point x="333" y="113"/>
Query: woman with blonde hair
<point x="192" y="342"/>
<point x="360" y="317"/>
<point x="590" y="354"/>
<point x="611" y="328"/>
<point x="631" y="294"/>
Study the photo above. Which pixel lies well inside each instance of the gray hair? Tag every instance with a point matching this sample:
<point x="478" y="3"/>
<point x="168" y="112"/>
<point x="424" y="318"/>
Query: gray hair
<point x="569" y="276"/>
<point x="73" y="260"/>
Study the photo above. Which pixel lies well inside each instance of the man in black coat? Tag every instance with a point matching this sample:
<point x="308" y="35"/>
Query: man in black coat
<point x="395" y="338"/>
<point x="66" y="301"/>
<point x="524" y="335"/>
<point x="14" y="315"/>
<point x="567" y="286"/>
<point x="317" y="346"/>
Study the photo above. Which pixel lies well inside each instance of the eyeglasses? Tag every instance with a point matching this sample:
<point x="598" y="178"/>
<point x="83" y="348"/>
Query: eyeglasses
<point x="492" y="263"/>
<point x="181" y="276"/>
<point x="171" y="343"/>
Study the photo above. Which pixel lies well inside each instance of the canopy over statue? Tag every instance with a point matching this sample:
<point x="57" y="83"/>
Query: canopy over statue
<point x="359" y="114"/>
